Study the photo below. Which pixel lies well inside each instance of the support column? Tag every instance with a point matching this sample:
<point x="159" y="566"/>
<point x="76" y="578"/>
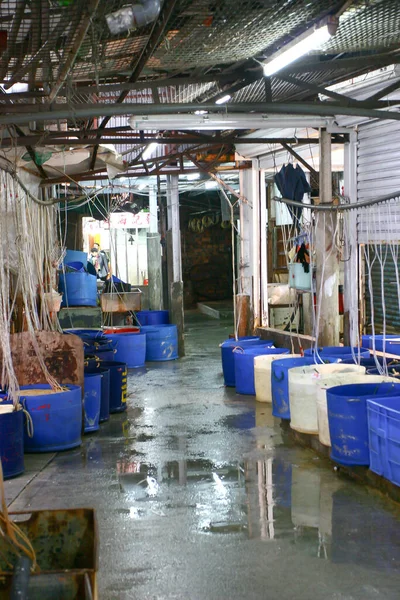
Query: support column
<point x="154" y="256"/>
<point x="327" y="256"/>
<point x="249" y="285"/>
<point x="175" y="260"/>
<point x="351" y="271"/>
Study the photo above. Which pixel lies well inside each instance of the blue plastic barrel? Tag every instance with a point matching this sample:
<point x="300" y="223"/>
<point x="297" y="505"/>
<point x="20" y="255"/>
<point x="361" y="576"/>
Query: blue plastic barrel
<point x="76" y="266"/>
<point x="87" y="333"/>
<point x="100" y="354"/>
<point x="130" y="348"/>
<point x="393" y="371"/>
<point x="347" y="415"/>
<point x="12" y="443"/>
<point x="244" y="366"/>
<point x="118" y="383"/>
<point x="228" y="361"/>
<point x="105" y="390"/>
<point x="75" y="256"/>
<point x="161" y="342"/>
<point x="387" y="343"/>
<point x="92" y="402"/>
<point x="78" y="289"/>
<point x="368" y="363"/>
<point x="57" y="418"/>
<point x="280" y="383"/>
<point x="153" y="317"/>
<point x="330" y="354"/>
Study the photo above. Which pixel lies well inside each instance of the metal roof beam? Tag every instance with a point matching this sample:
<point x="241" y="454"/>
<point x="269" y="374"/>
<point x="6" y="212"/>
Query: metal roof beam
<point x="43" y="142"/>
<point x="318" y="109"/>
<point x="152" y="44"/>
<point x="79" y="37"/>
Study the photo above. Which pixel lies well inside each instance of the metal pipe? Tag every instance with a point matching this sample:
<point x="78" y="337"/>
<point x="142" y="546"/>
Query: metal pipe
<point x="275" y="108"/>
<point x="65" y="141"/>
<point x="339" y="207"/>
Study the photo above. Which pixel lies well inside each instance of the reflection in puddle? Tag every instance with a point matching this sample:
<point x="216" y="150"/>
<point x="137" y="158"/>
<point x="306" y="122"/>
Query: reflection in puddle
<point x="276" y="498"/>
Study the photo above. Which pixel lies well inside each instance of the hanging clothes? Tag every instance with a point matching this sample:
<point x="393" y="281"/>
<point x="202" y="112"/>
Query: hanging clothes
<point x="292" y="184"/>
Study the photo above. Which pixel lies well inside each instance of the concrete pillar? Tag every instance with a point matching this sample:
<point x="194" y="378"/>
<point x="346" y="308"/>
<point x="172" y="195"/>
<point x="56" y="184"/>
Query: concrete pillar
<point x="175" y="260"/>
<point x="351" y="271"/>
<point x="327" y="256"/>
<point x="154" y="266"/>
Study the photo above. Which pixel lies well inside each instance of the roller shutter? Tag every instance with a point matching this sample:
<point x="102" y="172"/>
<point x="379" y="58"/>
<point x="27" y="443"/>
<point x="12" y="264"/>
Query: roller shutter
<point x="378" y="174"/>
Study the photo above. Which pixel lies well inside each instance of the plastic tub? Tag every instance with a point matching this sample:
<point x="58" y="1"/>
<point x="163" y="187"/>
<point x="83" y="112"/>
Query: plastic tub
<point x="303" y="393"/>
<point x="118" y="383"/>
<point x="336" y="353"/>
<point x="92" y="402"/>
<point x="387" y="343"/>
<point x="130" y="348"/>
<point x="384" y="437"/>
<point x="153" y="317"/>
<point x="393" y="371"/>
<point x="161" y="343"/>
<point x="262" y="373"/>
<point x="75" y="256"/>
<point x="12" y="442"/>
<point x="348" y="425"/>
<point x="105" y="390"/>
<point x="280" y="383"/>
<point x="78" y="289"/>
<point x="244" y="367"/>
<point x="322" y="407"/>
<point x="57" y="418"/>
<point x="228" y="361"/>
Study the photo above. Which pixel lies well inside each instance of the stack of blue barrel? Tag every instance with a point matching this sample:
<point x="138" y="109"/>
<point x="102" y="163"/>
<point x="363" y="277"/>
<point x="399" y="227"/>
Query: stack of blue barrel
<point x="105" y="382"/>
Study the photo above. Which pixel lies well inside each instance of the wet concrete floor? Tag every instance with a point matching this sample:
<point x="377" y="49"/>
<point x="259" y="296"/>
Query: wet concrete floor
<point x="200" y="495"/>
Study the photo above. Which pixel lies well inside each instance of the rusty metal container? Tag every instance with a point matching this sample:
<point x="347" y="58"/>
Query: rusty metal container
<point x="66" y="546"/>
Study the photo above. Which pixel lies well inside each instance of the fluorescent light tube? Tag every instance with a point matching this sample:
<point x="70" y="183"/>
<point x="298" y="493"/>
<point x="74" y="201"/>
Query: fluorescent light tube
<point x="223" y="99"/>
<point x="311" y="40"/>
<point x="149" y="150"/>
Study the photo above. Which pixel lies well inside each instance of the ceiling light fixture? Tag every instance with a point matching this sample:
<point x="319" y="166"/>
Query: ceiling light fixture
<point x="310" y="40"/>
<point x="223" y="99"/>
<point x="149" y="150"/>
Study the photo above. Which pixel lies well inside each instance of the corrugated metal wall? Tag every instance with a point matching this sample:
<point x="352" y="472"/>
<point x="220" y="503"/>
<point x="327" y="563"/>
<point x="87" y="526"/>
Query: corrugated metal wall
<point x="378" y="174"/>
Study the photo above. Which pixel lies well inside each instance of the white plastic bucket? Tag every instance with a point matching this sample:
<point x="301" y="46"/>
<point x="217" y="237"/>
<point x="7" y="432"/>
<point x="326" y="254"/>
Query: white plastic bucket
<point x="262" y="375"/>
<point x="339" y="379"/>
<point x="303" y="392"/>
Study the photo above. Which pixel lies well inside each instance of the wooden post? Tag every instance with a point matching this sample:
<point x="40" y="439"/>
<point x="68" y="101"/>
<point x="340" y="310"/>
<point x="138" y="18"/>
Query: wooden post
<point x="327" y="256"/>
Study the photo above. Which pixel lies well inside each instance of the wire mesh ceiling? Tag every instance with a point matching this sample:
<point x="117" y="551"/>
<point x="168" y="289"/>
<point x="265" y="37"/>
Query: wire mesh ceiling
<point x="200" y="35"/>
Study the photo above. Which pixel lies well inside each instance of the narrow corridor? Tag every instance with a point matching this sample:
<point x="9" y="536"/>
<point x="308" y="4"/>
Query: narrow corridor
<point x="200" y="495"/>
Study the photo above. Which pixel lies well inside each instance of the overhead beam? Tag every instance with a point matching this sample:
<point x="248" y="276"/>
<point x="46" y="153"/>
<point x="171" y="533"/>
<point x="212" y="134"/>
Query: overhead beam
<point x="12" y="39"/>
<point x="321" y="109"/>
<point x="135" y="141"/>
<point x="312" y="87"/>
<point x="152" y="44"/>
<point x="21" y="71"/>
<point x="79" y="37"/>
<point x="395" y="85"/>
